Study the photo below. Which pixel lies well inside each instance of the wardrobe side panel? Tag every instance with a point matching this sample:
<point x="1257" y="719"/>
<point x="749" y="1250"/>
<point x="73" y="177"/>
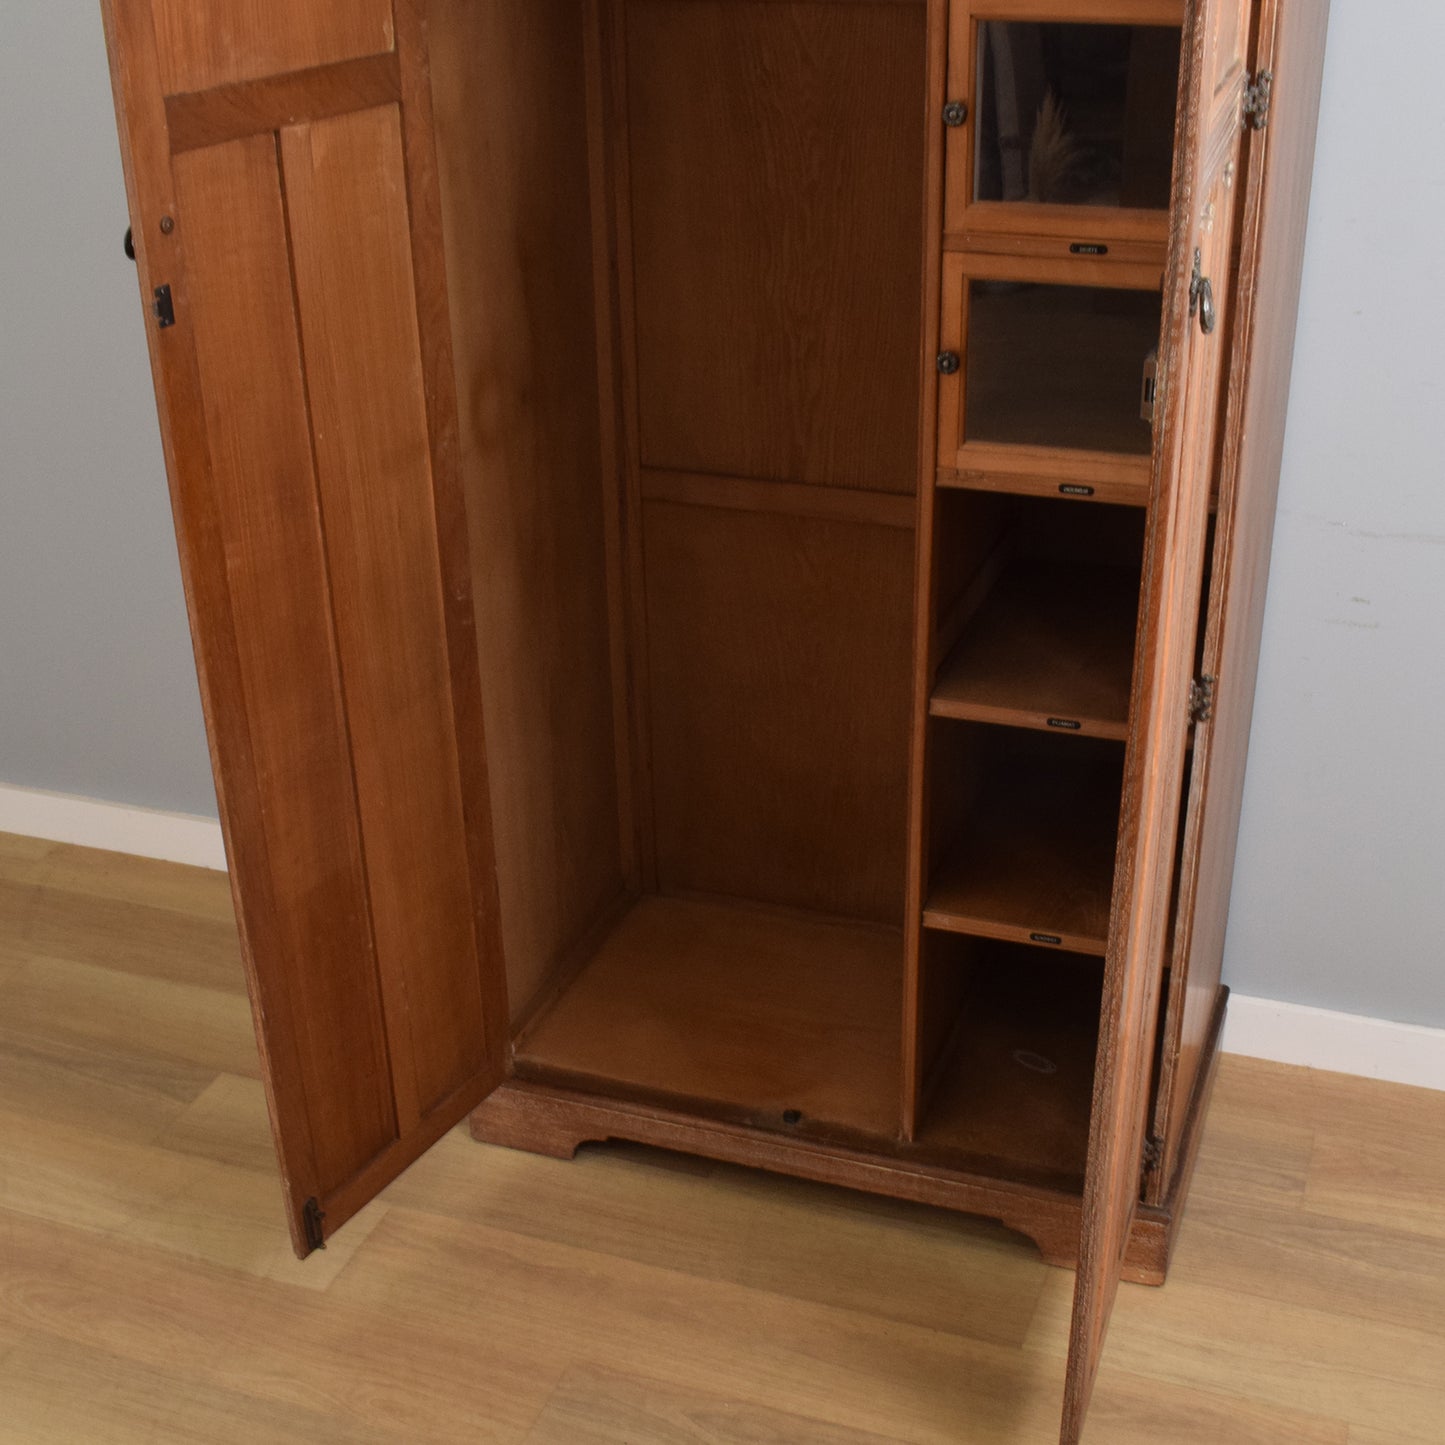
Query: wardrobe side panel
<point x="1292" y="46"/>
<point x="510" y="94"/>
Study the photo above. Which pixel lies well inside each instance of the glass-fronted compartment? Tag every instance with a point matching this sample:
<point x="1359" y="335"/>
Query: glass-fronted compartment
<point x="1061" y="120"/>
<point x="1048" y="376"/>
<point x="1058" y="366"/>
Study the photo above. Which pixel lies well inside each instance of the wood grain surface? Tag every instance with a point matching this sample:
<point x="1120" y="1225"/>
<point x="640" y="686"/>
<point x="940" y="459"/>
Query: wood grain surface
<point x="1011" y="1090"/>
<point x="264" y="488"/>
<point x="225" y="41"/>
<point x="747" y="1011"/>
<point x="632" y="1297"/>
<point x="1051" y="646"/>
<point x="1031" y="857"/>
<point x="255" y="107"/>
<point x="346" y="189"/>
<point x="306" y="407"/>
<point x="775" y="163"/>
<point x="511" y="106"/>
<point x="779" y="660"/>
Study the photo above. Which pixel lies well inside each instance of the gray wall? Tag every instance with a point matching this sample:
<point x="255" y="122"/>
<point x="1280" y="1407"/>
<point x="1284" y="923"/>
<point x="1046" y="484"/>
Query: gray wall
<point x="1339" y="890"/>
<point x="97" y="687"/>
<point x="1339" y="884"/>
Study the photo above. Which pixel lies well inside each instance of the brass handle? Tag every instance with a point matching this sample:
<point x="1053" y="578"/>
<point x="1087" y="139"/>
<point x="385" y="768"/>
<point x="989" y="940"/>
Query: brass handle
<point x="1208" y="318"/>
<point x="1201" y="296"/>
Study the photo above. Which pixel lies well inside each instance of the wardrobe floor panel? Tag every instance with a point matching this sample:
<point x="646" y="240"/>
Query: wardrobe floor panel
<point x="742" y="1011"/>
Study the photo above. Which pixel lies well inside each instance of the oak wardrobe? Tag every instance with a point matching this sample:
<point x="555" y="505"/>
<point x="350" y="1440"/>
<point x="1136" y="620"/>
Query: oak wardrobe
<point x="725" y="543"/>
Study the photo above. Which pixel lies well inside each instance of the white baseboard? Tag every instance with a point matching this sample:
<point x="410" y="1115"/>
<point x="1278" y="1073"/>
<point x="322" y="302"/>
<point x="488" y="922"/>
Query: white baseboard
<point x="1259" y="1028"/>
<point x="1294" y="1033"/>
<point x="146" y="832"/>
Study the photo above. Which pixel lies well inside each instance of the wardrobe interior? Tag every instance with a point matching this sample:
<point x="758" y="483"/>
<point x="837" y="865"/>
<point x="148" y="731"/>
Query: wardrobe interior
<point x="686" y="263"/>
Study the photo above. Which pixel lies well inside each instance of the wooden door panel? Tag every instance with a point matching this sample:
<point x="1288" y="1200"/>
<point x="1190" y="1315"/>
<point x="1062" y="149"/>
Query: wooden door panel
<point x="201" y="44"/>
<point x="346" y="190"/>
<point x="308" y="414"/>
<point x="1208" y="142"/>
<point x="1227" y="58"/>
<point x="261" y="483"/>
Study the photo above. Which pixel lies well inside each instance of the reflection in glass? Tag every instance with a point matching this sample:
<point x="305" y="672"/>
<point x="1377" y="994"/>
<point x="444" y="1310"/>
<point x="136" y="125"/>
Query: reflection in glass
<point x="1079" y="115"/>
<point x="1058" y="366"/>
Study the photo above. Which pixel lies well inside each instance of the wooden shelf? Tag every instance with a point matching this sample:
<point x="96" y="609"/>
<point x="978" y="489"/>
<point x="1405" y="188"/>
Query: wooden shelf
<point x="735" y="1010"/>
<point x="1011" y="1096"/>
<point x="1035" y="862"/>
<point x="1127" y="486"/>
<point x="1051" y="647"/>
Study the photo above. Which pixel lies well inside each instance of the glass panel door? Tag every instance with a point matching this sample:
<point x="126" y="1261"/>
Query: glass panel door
<point x="1048" y="376"/>
<point x="1062" y="128"/>
<point x="1058" y="366"/>
<point x="1074" y="115"/>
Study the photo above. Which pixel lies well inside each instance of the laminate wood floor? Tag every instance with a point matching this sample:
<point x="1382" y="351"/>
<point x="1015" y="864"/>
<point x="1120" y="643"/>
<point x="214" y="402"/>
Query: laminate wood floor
<point x="148" y="1292"/>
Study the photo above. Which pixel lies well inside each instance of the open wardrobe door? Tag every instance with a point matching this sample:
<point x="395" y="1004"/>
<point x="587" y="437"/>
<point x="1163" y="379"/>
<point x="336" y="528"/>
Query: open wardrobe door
<point x="1192" y="354"/>
<point x="283" y="195"/>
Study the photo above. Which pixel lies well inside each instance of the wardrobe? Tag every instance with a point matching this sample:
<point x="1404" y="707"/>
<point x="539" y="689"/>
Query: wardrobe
<point x="725" y="543"/>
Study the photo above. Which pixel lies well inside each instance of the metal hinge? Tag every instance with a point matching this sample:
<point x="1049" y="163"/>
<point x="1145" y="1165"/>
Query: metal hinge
<point x="1201" y="699"/>
<point x="1256" y="100"/>
<point x="313" y="1217"/>
<point x="1153" y="1152"/>
<point x="164" y="307"/>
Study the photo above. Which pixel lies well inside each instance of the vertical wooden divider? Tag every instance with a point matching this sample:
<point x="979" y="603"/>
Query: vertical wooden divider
<point x="632" y="601"/>
<point x="619" y="519"/>
<point x="925" y="571"/>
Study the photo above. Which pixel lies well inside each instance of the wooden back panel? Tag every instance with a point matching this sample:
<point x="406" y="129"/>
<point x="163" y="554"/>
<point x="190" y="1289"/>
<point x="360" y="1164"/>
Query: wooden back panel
<point x="779" y="675"/>
<point x="769" y="178"/>
<point x="308" y="416"/>
<point x="775" y="154"/>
